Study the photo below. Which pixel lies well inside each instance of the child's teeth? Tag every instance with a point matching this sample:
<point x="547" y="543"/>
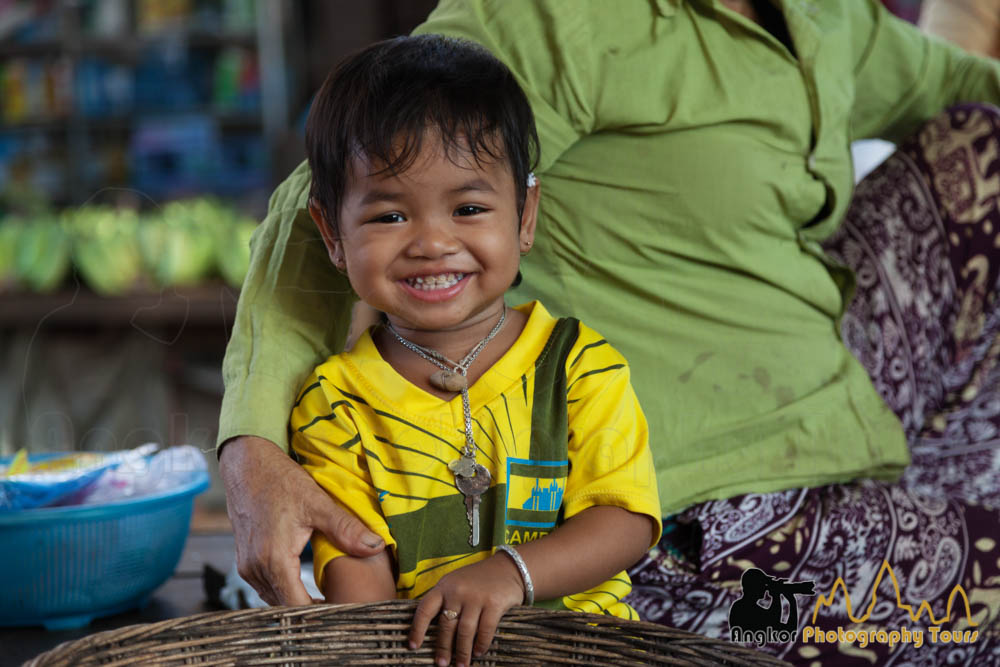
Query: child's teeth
<point x="436" y="282"/>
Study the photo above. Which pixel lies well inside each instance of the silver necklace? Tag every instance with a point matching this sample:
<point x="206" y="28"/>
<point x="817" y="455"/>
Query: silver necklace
<point x="471" y="478"/>
<point x="453" y="374"/>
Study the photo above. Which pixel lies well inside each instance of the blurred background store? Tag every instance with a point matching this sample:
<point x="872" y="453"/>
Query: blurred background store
<point x="139" y="141"/>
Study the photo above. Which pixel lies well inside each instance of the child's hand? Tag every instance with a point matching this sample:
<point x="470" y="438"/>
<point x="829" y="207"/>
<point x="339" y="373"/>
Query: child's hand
<point x="479" y="595"/>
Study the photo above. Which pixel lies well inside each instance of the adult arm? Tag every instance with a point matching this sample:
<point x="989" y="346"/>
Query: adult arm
<point x="904" y="77"/>
<point x="294" y="310"/>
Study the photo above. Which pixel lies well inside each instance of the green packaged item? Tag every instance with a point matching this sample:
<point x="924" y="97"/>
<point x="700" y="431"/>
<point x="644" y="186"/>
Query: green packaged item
<point x="178" y="245"/>
<point x="43" y="254"/>
<point x="106" y="249"/>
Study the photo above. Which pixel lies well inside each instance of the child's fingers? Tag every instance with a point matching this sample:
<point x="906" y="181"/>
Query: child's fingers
<point x="489" y="620"/>
<point x="428" y="608"/>
<point x="468" y="623"/>
<point x="448" y="620"/>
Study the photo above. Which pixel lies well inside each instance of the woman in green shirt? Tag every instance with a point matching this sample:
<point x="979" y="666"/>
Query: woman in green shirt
<point x="695" y="154"/>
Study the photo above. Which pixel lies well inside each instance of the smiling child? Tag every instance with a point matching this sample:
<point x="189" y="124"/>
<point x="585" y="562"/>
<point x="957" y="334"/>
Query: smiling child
<point x="500" y="452"/>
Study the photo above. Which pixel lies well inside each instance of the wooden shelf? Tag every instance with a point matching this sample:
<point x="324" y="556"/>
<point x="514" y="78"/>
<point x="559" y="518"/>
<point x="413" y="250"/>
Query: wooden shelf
<point x="204" y="305"/>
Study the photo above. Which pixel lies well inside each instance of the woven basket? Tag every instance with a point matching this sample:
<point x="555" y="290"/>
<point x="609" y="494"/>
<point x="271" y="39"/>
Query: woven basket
<point x="375" y="634"/>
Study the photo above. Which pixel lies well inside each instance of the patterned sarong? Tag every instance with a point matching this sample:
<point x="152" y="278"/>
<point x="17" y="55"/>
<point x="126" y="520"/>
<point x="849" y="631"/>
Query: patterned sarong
<point x="923" y="238"/>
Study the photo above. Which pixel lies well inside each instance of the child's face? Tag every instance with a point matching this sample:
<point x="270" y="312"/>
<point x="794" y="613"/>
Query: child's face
<point x="436" y="246"/>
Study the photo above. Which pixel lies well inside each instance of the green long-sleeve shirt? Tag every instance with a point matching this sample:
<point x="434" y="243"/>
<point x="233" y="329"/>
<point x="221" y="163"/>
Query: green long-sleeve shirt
<point x="690" y="164"/>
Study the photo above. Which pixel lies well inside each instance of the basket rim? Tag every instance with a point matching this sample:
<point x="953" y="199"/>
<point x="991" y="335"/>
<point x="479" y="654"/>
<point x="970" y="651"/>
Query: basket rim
<point x="527" y="628"/>
<point x="109" y="510"/>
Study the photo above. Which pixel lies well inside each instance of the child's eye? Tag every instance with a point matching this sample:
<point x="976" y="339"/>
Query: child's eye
<point x="469" y="210"/>
<point x="389" y="217"/>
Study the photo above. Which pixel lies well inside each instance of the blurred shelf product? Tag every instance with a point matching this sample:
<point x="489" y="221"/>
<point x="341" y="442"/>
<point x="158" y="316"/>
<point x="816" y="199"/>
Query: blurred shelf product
<point x="118" y="252"/>
<point x="171" y="98"/>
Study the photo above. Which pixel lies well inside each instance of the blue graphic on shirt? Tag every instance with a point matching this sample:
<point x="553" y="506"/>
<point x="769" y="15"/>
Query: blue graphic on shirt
<point x="533" y="496"/>
<point x="544" y="499"/>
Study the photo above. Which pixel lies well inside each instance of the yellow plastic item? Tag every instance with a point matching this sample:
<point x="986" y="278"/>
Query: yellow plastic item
<point x="21" y="465"/>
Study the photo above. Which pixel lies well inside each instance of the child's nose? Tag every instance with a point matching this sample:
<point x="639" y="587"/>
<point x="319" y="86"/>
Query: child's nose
<point x="433" y="238"/>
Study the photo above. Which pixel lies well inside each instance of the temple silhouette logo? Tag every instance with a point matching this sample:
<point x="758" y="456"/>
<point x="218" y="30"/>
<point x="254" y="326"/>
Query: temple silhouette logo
<point x="924" y="606"/>
<point x="892" y="636"/>
<point x="545" y="499"/>
<point x="759" y="616"/>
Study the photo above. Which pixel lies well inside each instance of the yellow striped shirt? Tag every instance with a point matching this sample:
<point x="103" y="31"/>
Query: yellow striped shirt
<point x="557" y="425"/>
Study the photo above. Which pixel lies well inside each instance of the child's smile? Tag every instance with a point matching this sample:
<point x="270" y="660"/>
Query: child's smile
<point x="434" y="246"/>
<point x="436" y="287"/>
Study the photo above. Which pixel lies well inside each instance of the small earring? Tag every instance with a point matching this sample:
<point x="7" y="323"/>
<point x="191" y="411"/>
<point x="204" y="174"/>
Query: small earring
<point x="532" y="180"/>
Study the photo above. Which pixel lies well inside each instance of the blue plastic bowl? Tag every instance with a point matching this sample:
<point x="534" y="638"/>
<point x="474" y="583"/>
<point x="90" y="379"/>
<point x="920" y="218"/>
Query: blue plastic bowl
<point x="62" y="567"/>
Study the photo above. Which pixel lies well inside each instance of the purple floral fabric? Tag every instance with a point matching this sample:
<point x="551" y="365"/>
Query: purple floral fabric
<point x="923" y="239"/>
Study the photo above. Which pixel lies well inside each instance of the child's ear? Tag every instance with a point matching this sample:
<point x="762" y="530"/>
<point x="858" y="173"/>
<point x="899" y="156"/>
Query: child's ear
<point x="529" y="217"/>
<point x="334" y="248"/>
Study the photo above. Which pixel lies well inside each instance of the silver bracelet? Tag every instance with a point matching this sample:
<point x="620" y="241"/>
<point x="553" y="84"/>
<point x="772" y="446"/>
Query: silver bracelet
<point x="529" y="588"/>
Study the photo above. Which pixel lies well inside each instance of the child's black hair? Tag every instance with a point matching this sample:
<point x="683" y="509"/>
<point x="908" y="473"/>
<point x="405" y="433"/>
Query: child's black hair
<point x="377" y="103"/>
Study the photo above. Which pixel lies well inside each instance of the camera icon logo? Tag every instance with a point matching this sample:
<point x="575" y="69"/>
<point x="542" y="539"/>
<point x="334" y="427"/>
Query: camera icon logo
<point x="757" y="616"/>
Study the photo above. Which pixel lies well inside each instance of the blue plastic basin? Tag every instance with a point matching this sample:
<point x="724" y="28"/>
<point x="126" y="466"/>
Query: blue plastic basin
<point x="62" y="567"/>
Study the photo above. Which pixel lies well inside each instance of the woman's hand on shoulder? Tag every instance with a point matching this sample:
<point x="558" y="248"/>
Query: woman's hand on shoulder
<point x="479" y="595"/>
<point x="274" y="506"/>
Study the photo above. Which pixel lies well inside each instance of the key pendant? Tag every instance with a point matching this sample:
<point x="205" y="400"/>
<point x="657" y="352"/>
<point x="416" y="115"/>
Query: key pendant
<point x="472" y="515"/>
<point x="472" y="487"/>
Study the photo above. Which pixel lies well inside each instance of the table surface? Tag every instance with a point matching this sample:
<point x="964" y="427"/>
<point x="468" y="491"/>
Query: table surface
<point x="182" y="595"/>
